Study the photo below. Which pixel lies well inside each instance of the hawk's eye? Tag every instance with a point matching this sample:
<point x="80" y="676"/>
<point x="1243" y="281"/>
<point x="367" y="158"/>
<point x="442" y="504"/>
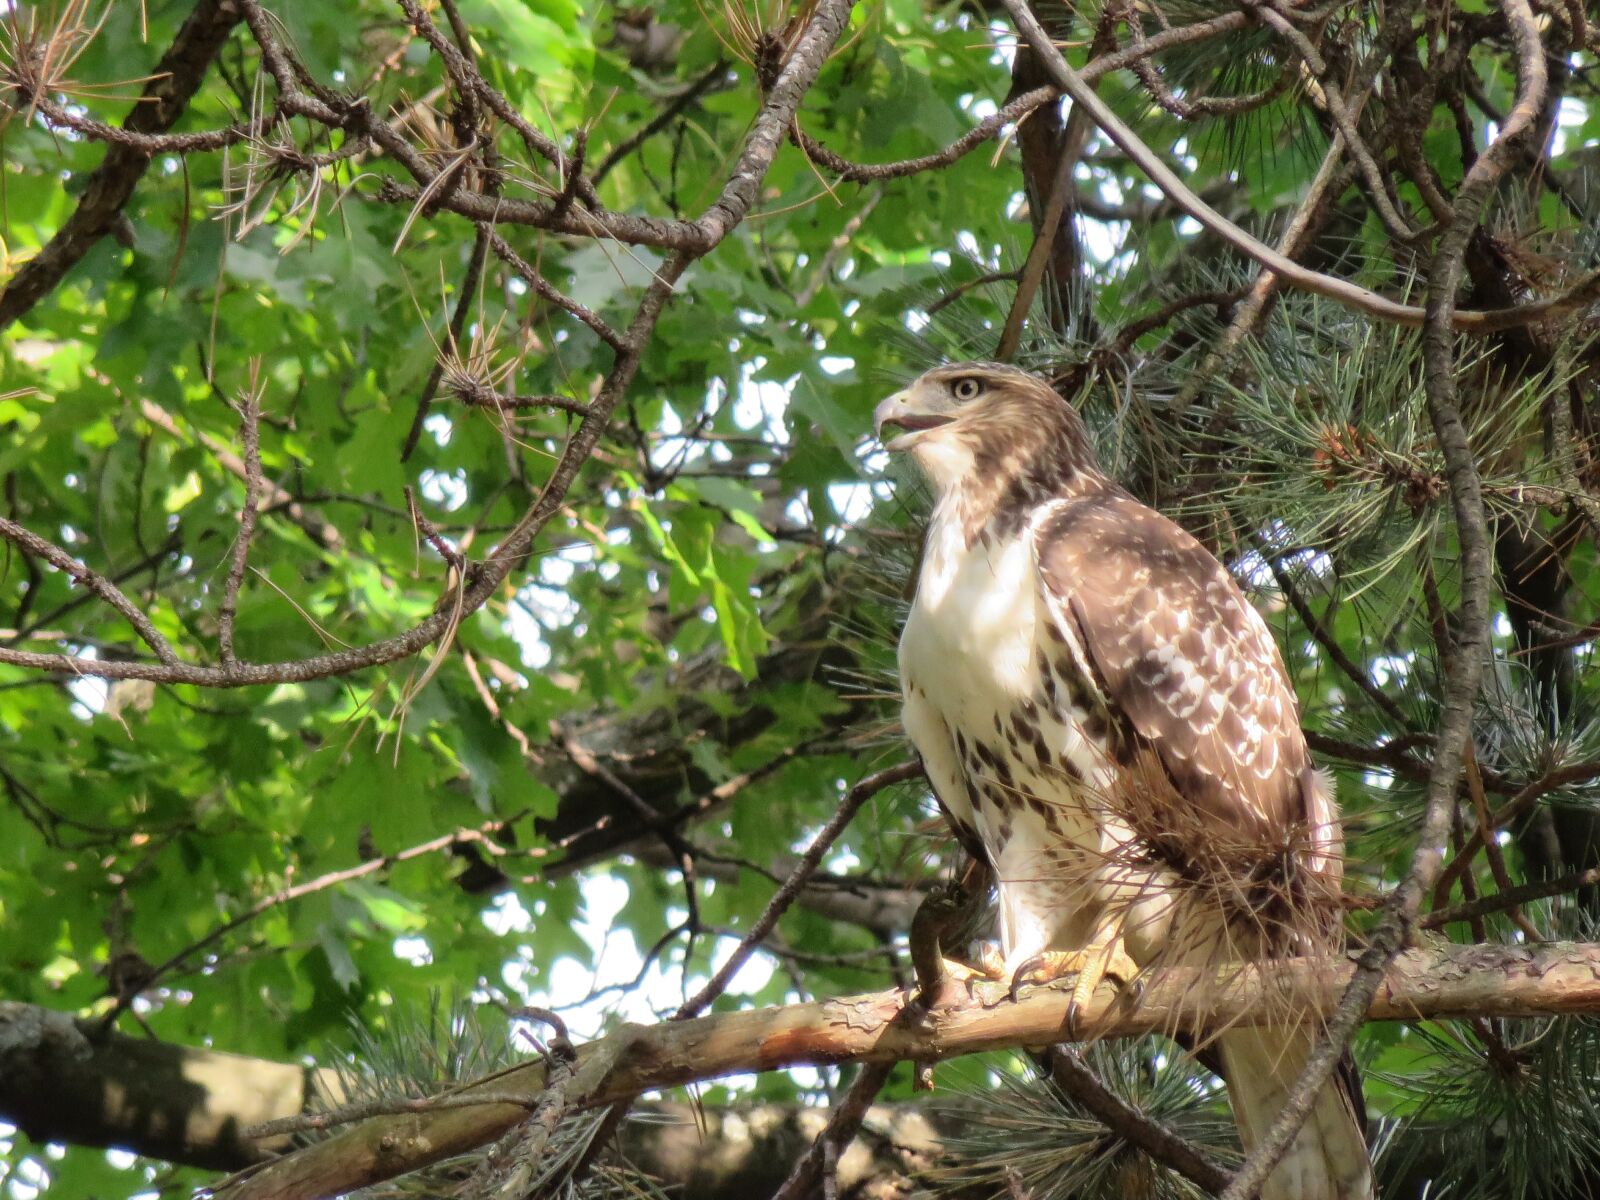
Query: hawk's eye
<point x="967" y="388"/>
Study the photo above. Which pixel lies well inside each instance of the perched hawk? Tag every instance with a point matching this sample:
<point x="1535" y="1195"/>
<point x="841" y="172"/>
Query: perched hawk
<point x="1106" y="722"/>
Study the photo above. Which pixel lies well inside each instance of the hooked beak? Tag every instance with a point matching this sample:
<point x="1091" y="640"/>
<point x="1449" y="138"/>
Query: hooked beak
<point x="897" y="410"/>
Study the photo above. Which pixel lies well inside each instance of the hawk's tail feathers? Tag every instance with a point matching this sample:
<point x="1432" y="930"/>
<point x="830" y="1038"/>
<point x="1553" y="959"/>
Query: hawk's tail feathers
<point x="1328" y="1159"/>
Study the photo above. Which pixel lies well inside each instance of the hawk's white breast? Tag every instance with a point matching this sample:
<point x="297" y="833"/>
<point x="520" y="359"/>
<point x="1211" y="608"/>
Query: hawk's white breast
<point x="976" y="613"/>
<point x="974" y="657"/>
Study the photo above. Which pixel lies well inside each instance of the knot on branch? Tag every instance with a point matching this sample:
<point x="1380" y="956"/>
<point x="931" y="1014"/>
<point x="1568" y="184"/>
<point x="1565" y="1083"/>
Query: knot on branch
<point x="354" y="112"/>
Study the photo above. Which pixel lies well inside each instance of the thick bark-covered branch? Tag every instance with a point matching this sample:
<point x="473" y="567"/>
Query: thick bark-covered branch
<point x="172" y="84"/>
<point x="1444" y="981"/>
<point x="60" y="1081"/>
<point x="64" y="1080"/>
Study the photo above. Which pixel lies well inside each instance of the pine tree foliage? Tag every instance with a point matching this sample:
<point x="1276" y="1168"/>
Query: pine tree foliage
<point x="420" y="1053"/>
<point x="1025" y="1129"/>
<point x="1480" y="1123"/>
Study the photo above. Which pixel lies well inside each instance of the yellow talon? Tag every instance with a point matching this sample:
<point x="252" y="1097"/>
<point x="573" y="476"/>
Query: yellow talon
<point x="1091" y="965"/>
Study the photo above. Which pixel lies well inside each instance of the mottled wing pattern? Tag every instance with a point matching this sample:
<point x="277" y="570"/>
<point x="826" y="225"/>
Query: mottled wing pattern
<point x="1184" y="658"/>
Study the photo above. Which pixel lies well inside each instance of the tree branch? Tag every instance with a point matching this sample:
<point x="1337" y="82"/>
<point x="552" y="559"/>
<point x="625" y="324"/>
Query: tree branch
<point x="1017" y="109"/>
<point x="173" y="83"/>
<point x="250" y="439"/>
<point x="1075" y="1077"/>
<point x="1465" y="668"/>
<point x="1437" y="982"/>
<point x="481" y="580"/>
<point x="1526" y="893"/>
<point x="819" y="1164"/>
<point x="803" y="870"/>
<point x="780" y="903"/>
<point x="1341" y="290"/>
<point x="465" y="295"/>
<point x="670" y="112"/>
<point x="94" y="582"/>
<point x="59" y="1082"/>
<point x="67" y="1080"/>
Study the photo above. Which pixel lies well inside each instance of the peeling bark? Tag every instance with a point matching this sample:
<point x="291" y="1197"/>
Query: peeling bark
<point x="1442" y="981"/>
<point x="62" y="1082"/>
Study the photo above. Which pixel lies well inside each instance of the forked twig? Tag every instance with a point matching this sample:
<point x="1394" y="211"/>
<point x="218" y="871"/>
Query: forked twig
<point x="1342" y="290"/>
<point x="31" y="543"/>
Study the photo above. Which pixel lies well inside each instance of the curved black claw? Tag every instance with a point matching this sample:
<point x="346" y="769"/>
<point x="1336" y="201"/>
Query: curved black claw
<point x="1135" y="988"/>
<point x="1129" y="992"/>
<point x="1019" y="977"/>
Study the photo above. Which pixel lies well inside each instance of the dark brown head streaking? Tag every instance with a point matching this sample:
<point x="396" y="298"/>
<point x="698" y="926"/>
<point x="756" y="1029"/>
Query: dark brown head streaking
<point x="995" y="439"/>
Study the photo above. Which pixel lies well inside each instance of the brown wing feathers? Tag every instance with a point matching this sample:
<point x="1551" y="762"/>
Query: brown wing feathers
<point x="1181" y="655"/>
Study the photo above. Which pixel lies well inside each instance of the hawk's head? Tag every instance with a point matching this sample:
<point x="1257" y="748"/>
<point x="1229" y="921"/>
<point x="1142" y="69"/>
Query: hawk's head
<point x="987" y="424"/>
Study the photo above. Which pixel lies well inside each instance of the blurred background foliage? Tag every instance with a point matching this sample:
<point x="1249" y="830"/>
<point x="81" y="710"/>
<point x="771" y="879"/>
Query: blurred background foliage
<point x="586" y="796"/>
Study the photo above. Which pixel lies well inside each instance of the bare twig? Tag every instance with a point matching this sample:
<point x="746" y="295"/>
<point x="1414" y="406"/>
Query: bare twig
<point x="458" y="323"/>
<point x="543" y="288"/>
<point x="1519" y="803"/>
<point x="822" y="275"/>
<point x="962" y="288"/>
<point x="683" y="852"/>
<point x="481" y="395"/>
<point x="1525" y="893"/>
<point x="780" y="903"/>
<point x="481" y="836"/>
<point x="1018" y="108"/>
<point x="1130" y="333"/>
<point x="469" y="80"/>
<point x="1344" y="118"/>
<point x="1341" y="290"/>
<point x="1308" y="217"/>
<point x="1203" y="106"/>
<point x="96" y="583"/>
<point x="812" y="1167"/>
<point x="536" y="1132"/>
<point x="784" y="896"/>
<point x="669" y="113"/>
<point x="850" y="172"/>
<point x="432" y="535"/>
<point x="1069" y="150"/>
<point x="250" y="440"/>
<point x="326" y="533"/>
<point x="1564" y="454"/>
<point x="1491" y="847"/>
<point x="1336" y="653"/>
<point x="147" y="144"/>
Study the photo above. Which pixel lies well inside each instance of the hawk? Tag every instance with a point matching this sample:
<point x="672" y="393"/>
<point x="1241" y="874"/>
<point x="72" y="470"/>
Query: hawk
<point x="1106" y="722"/>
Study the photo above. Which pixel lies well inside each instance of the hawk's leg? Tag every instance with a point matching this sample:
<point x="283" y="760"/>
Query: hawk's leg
<point x="940" y="980"/>
<point x="1104" y="958"/>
